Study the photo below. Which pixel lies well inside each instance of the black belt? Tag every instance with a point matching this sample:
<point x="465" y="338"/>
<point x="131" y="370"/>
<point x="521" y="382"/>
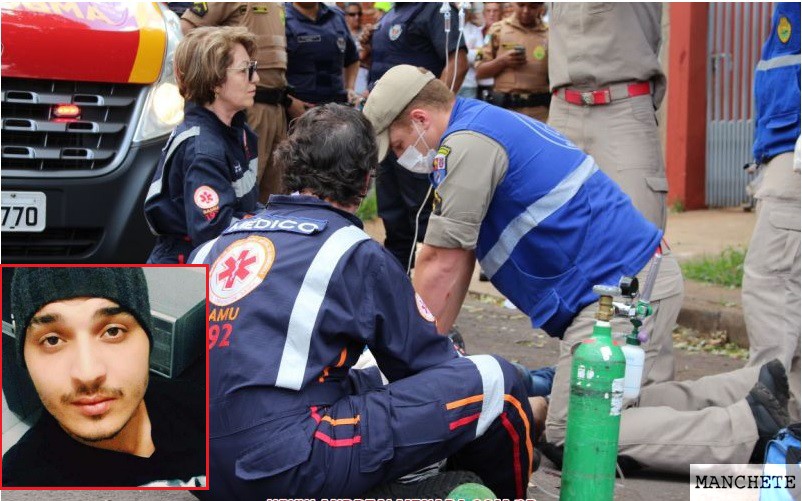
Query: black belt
<point x="509" y="100"/>
<point x="272" y="96"/>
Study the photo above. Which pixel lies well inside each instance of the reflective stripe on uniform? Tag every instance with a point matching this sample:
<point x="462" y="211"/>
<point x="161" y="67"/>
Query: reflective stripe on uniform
<point x="779" y="62"/>
<point x="535" y="214"/>
<point x="492" y="390"/>
<point x="203" y="251"/>
<point x="156" y="186"/>
<point x="245" y="184"/>
<point x="307" y="305"/>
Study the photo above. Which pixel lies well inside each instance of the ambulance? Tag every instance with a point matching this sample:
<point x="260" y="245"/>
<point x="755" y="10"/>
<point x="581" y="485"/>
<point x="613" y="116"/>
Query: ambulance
<point x="88" y="100"/>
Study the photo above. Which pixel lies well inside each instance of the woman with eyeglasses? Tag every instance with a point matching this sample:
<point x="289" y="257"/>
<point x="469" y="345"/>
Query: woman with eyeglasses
<point x="207" y="173"/>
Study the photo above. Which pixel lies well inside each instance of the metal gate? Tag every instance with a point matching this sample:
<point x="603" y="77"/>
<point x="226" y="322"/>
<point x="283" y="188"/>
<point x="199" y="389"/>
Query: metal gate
<point x="735" y="35"/>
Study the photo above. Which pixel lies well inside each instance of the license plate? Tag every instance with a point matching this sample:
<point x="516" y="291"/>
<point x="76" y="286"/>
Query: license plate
<point x="23" y="211"/>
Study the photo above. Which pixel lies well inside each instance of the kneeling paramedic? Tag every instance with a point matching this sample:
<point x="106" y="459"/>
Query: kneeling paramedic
<point x="296" y="294"/>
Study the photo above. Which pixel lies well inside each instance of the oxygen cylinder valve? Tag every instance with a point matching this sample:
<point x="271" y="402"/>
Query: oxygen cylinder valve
<point x="606" y="309"/>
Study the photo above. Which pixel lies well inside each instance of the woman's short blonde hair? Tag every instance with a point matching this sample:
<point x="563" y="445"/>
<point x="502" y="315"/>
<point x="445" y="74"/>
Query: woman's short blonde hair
<point x="203" y="57"/>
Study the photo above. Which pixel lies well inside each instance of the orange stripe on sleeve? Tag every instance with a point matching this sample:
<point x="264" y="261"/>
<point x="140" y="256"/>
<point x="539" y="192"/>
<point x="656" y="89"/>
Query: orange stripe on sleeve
<point x="464" y="401"/>
<point x="338" y="422"/>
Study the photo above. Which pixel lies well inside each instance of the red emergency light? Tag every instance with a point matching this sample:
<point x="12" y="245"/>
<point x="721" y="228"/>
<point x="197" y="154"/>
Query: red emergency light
<point x="66" y="111"/>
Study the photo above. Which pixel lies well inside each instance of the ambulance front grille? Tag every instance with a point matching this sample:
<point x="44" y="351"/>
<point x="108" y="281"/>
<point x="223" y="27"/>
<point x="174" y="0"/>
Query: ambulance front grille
<point x="35" y="140"/>
<point x="52" y="242"/>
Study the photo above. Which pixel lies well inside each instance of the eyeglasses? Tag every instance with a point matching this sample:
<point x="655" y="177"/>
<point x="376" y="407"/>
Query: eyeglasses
<point x="353" y="14"/>
<point x="250" y="68"/>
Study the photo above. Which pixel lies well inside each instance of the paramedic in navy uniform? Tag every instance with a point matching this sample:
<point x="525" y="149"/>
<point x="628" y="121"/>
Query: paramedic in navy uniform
<point x="412" y="33"/>
<point x="296" y="294"/>
<point x="322" y="61"/>
<point x="206" y="177"/>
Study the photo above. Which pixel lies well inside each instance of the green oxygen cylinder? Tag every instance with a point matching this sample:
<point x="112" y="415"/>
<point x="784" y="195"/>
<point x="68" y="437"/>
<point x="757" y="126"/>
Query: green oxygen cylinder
<point x="594" y="410"/>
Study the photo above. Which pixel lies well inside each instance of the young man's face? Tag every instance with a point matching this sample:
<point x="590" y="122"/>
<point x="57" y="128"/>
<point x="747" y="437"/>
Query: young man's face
<point x="419" y="132"/>
<point x="89" y="363"/>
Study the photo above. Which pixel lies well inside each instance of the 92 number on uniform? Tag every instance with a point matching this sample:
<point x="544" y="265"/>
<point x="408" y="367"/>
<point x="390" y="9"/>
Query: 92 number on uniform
<point x="215" y="333"/>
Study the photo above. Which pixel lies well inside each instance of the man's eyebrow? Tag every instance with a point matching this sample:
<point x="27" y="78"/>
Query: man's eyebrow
<point x="47" y="318"/>
<point x="110" y="312"/>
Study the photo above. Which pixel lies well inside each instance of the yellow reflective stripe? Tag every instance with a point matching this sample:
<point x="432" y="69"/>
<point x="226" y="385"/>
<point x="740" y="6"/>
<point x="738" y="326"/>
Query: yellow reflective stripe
<point x="152" y="43"/>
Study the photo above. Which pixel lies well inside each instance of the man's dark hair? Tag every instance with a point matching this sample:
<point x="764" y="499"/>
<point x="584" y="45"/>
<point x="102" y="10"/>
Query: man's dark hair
<point x="330" y="151"/>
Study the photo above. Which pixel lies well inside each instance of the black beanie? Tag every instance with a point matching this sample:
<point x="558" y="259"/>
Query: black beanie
<point x="33" y="288"/>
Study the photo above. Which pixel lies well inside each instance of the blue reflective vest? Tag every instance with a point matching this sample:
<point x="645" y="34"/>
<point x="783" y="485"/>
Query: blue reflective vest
<point x="295" y="294"/>
<point x="412" y="33"/>
<point x="317" y="52"/>
<point x="556" y="225"/>
<point x="777" y="81"/>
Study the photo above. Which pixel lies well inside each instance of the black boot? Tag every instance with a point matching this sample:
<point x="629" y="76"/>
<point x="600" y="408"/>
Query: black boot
<point x="773" y="376"/>
<point x="771" y="415"/>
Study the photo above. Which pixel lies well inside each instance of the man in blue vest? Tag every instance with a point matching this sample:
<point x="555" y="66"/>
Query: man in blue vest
<point x="546" y="225"/>
<point x="296" y="294"/>
<point x="412" y="33"/>
<point x="771" y="286"/>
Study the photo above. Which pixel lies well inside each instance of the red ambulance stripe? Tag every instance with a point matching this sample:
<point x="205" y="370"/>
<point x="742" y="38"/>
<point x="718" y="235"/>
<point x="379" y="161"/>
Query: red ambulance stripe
<point x="342" y="442"/>
<point x="516" y="455"/>
<point x="463" y="421"/>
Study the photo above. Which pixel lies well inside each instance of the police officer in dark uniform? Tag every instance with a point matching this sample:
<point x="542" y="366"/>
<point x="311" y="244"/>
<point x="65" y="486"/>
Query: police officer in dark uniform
<point x="296" y="294"/>
<point x="412" y="33"/>
<point x="207" y="172"/>
<point x="322" y="60"/>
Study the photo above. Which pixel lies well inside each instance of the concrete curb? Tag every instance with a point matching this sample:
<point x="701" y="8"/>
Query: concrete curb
<point x="711" y="320"/>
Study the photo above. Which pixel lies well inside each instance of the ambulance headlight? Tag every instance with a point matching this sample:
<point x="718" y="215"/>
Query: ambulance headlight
<point x="164" y="106"/>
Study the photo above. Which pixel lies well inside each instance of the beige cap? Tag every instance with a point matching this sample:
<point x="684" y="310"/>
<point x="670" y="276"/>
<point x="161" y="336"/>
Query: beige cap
<point x="392" y="93"/>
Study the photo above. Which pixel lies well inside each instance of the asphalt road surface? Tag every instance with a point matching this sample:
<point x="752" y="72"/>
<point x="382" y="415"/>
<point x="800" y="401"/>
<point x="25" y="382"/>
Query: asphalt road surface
<point x="487" y="328"/>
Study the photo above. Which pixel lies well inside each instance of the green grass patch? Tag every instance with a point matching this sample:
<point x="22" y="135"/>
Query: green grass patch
<point x="726" y="269"/>
<point x="677" y="207"/>
<point x="368" y="209"/>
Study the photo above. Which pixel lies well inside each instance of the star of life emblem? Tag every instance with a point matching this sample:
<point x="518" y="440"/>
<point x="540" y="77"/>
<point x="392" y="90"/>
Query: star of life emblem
<point x="240" y="268"/>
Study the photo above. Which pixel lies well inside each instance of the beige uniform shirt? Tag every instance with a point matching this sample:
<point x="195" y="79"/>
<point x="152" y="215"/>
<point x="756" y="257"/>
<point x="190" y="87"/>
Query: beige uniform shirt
<point x="263" y="19"/>
<point x="475" y="165"/>
<point x="502" y="37"/>
<point x="593" y="45"/>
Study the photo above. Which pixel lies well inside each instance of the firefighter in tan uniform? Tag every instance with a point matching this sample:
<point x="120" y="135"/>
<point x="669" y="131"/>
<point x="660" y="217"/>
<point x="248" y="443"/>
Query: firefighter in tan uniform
<point x="268" y="116"/>
<point x="607" y="82"/>
<point x="515" y="53"/>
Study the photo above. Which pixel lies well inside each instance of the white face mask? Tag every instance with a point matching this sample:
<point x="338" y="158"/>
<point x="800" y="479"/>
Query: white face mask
<point x="415" y="161"/>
